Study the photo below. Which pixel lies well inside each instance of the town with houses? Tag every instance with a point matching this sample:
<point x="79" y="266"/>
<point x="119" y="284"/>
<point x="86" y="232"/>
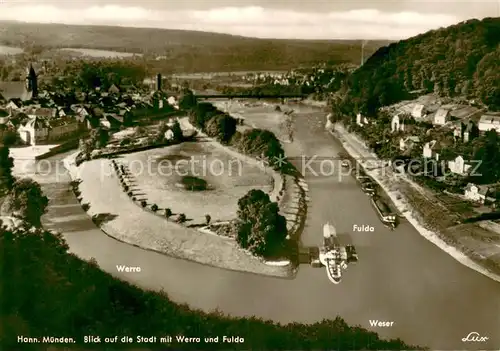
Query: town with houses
<point x="454" y="125"/>
<point x="35" y="117"/>
<point x="31" y="116"/>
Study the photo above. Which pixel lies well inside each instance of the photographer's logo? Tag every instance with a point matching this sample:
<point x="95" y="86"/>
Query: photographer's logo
<point x="475" y="337"/>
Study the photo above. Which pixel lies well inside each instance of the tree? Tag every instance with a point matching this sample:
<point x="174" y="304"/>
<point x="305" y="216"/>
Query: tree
<point x="259" y="142"/>
<point x="212" y="127"/>
<point x="6" y="165"/>
<point x="26" y="201"/>
<point x="177" y="132"/>
<point x="162" y="129"/>
<point x="200" y="114"/>
<point x="10" y="137"/>
<point x="222" y="127"/>
<point x="459" y="59"/>
<point x="287" y="125"/>
<point x="261" y="229"/>
<point x="168" y="212"/>
<point x="488" y="154"/>
<point x="187" y="100"/>
<point x="181" y="218"/>
<point x="99" y="137"/>
<point x="139" y="131"/>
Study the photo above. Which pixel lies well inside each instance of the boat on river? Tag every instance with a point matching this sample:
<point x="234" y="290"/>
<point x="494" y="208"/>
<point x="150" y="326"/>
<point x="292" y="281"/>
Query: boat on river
<point x="384" y="212"/>
<point x="333" y="256"/>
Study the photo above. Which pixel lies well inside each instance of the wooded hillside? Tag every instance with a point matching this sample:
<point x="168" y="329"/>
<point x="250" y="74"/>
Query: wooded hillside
<point x="461" y="60"/>
<point x="188" y="51"/>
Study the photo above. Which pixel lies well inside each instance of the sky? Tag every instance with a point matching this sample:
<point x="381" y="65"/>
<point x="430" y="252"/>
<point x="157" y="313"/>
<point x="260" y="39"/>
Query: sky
<point x="292" y="19"/>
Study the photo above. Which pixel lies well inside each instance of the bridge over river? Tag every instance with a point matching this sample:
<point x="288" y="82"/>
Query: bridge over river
<point x="282" y="97"/>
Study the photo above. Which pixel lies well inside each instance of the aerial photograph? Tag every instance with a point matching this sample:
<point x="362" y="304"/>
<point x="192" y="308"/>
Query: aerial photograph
<point x="249" y="175"/>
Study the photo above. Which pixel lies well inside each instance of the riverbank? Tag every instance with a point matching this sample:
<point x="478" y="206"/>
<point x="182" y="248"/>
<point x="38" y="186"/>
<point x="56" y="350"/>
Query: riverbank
<point x="408" y="200"/>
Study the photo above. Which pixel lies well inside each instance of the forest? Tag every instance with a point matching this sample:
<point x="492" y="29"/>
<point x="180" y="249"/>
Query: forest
<point x="460" y="60"/>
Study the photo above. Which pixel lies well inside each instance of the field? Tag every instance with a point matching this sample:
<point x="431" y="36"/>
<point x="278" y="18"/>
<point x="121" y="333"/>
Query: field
<point x="158" y="177"/>
<point x="9" y="50"/>
<point x="98" y="53"/>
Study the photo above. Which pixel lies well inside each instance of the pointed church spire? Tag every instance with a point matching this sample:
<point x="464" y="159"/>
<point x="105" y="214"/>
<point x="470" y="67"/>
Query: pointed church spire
<point x="31" y="81"/>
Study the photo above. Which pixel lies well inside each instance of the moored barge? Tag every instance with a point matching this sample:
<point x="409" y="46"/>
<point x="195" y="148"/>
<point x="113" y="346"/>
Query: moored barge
<point x="384" y="212"/>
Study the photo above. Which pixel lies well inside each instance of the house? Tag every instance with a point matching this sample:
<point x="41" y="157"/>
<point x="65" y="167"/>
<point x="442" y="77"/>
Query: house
<point x="441" y="117"/>
<point x="465" y="131"/>
<point x="459" y="166"/>
<point x="112" y="121"/>
<point x="398" y="123"/>
<point x="60" y="128"/>
<point x="432" y="149"/>
<point x="477" y="193"/>
<point x="172" y="101"/>
<point x="418" y="111"/>
<point x="169" y="134"/>
<point x="14" y="104"/>
<point x="38" y="130"/>
<point x="113" y="89"/>
<point x="46" y="112"/>
<point x="65" y="112"/>
<point x="34" y="131"/>
<point x="361" y="120"/>
<point x="80" y="110"/>
<point x="408" y="143"/>
<point x="489" y="121"/>
<point x="4" y="116"/>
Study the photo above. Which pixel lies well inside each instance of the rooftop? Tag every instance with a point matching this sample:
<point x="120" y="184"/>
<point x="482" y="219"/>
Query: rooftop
<point x="490" y="118"/>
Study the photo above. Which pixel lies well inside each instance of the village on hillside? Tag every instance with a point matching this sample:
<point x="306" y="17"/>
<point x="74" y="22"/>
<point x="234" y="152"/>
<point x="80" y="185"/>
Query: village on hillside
<point x="440" y="132"/>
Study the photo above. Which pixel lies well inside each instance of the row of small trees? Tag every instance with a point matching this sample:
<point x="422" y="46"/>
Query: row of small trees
<point x="123" y="175"/>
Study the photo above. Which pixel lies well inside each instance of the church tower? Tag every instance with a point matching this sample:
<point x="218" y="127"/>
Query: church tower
<point x="31" y="82"/>
<point x="158" y="82"/>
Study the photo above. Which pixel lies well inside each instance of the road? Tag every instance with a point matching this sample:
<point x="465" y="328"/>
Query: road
<point x="432" y="299"/>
